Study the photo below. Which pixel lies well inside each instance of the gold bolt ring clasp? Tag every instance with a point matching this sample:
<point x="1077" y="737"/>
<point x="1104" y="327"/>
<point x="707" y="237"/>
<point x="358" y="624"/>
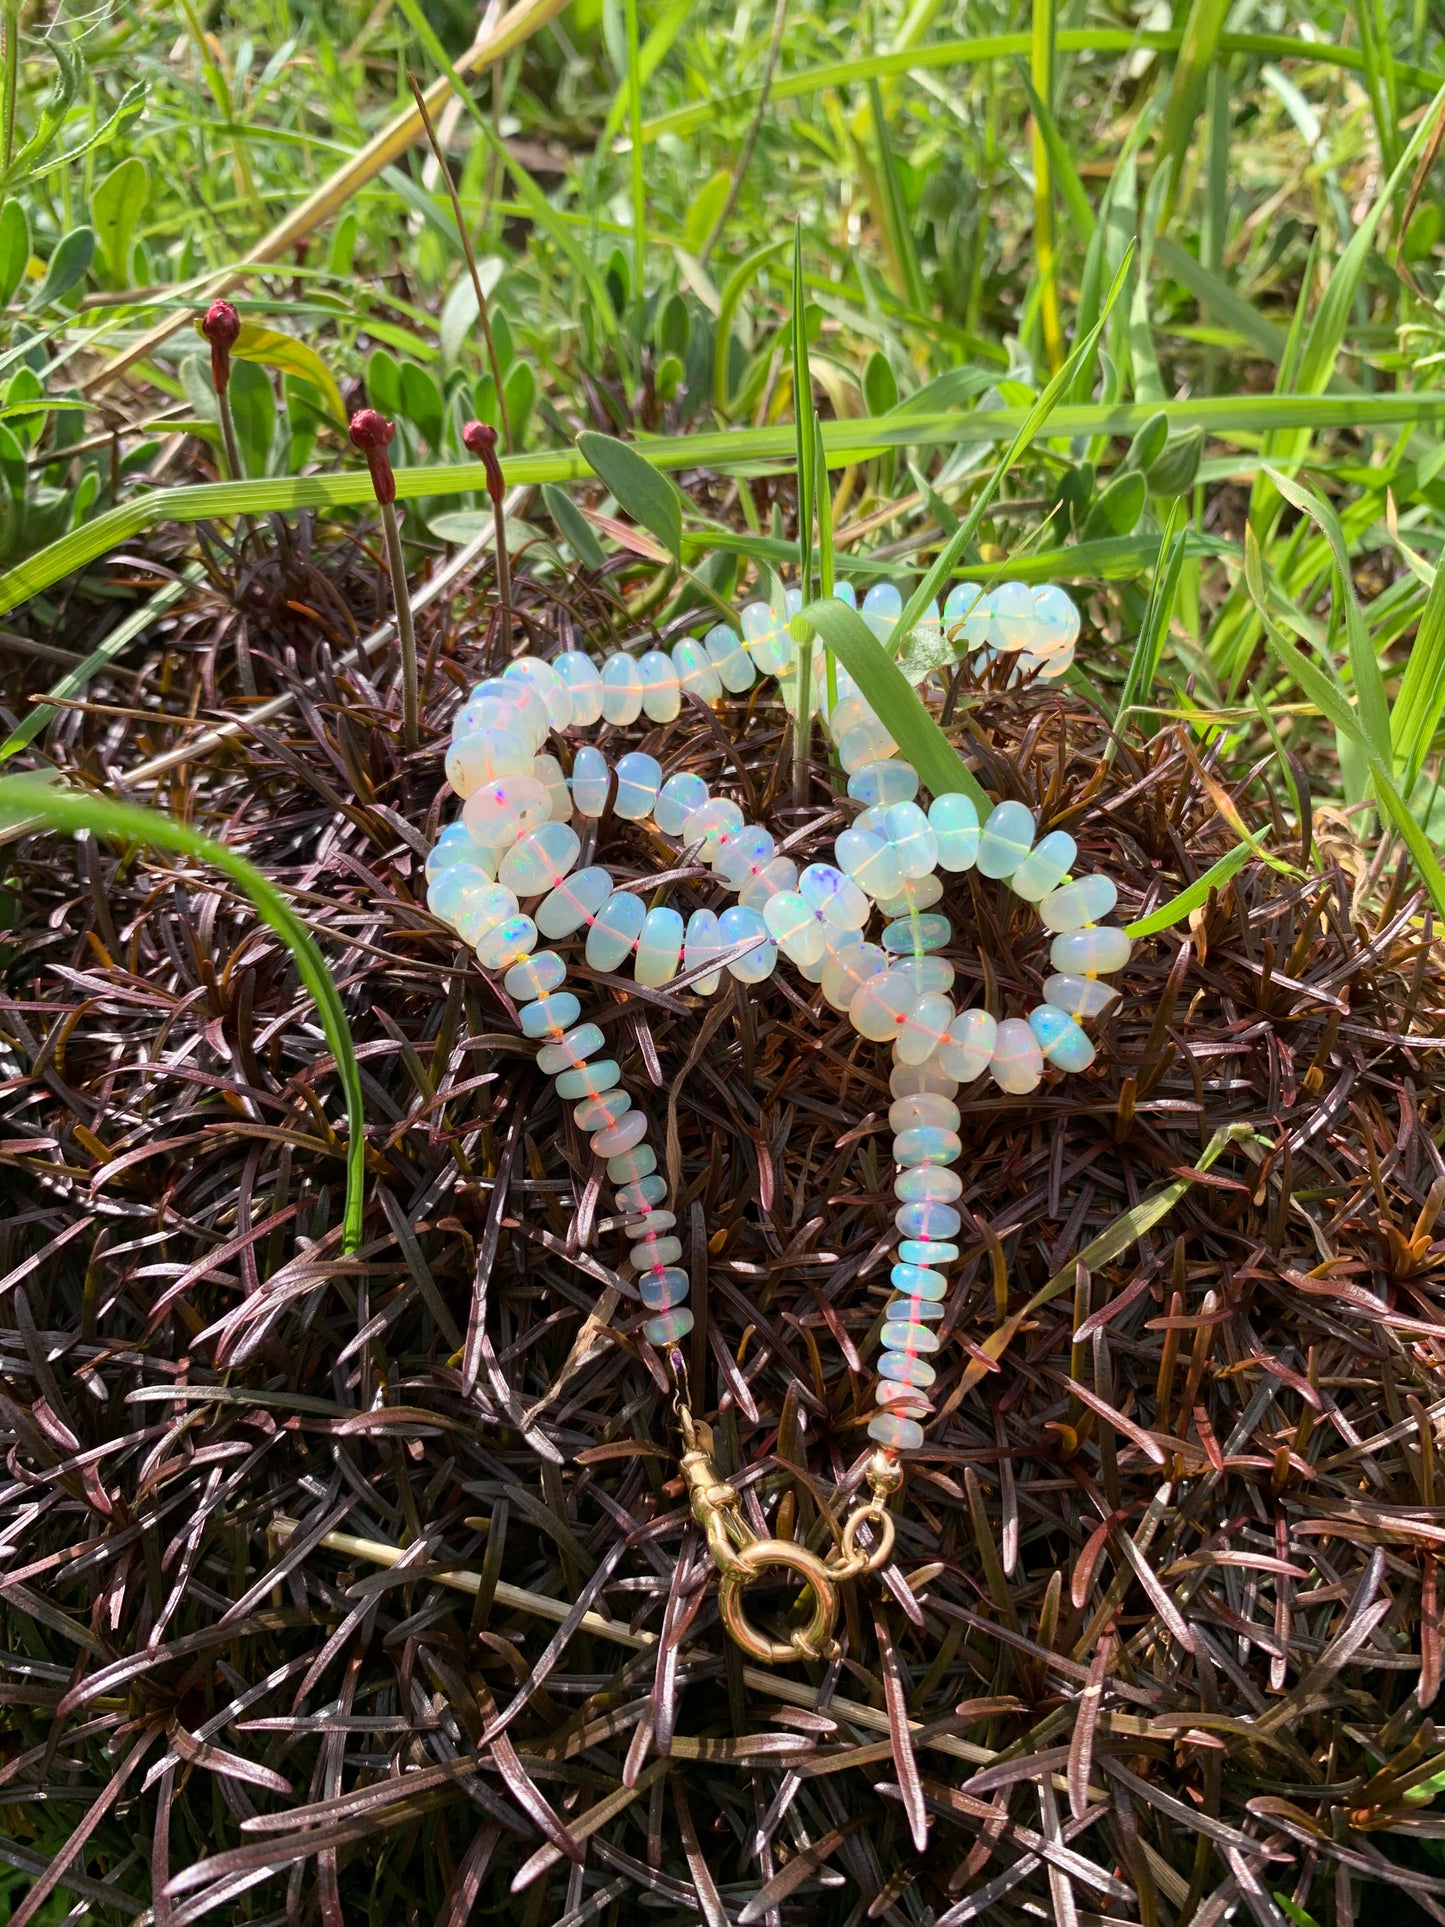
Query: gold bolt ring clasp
<point x="749" y="1562"/>
<point x="853" y="1560"/>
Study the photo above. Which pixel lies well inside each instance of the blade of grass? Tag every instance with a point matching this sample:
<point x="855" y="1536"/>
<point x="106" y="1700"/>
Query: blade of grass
<point x="635" y="158"/>
<point x="806" y="449"/>
<point x="32" y="802"/>
<point x="1149" y="649"/>
<point x="734" y="288"/>
<point x="1193" y="897"/>
<point x="1198" y="49"/>
<point x="1421" y="701"/>
<point x="1041" y="76"/>
<point x="895" y="207"/>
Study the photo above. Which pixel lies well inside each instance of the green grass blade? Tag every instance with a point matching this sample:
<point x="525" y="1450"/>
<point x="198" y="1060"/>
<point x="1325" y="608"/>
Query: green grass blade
<point x="897" y="706"/>
<point x="1198" y="50"/>
<point x="734" y="288"/>
<point x="805" y="429"/>
<point x="635" y="158"/>
<point x="1421" y="701"/>
<point x="1153" y="632"/>
<point x="1193" y="897"/>
<point x="895" y="207"/>
<point x="1041" y="89"/>
<point x="1061" y="163"/>
<point x="28" y="802"/>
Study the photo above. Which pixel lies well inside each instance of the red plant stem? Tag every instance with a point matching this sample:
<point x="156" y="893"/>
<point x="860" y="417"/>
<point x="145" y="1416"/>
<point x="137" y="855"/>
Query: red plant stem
<point x="401" y="601"/>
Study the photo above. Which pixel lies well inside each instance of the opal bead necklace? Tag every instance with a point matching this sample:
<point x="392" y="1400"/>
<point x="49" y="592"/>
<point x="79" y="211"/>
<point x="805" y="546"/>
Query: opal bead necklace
<point x="515" y="844"/>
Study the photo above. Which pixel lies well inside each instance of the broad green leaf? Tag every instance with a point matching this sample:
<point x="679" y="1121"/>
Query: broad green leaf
<point x="70" y="263"/>
<point x="14" y="249"/>
<point x="32" y="802"/>
<point x="1118" y="508"/>
<point x="573" y="527"/>
<point x="289" y="356"/>
<point x="706" y="206"/>
<point x="253" y="409"/>
<point x="115" y="207"/>
<point x="649" y="497"/>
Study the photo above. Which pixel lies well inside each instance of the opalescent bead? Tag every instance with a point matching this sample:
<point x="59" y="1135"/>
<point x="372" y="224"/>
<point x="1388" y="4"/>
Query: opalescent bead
<point x="846" y="714"/>
<point x="591" y="779"/>
<point x="679" y="796"/>
<point x="916" y="894"/>
<point x="501" y="811"/>
<point x="627" y="1166"/>
<point x="926" y="1144"/>
<point x="535" y="976"/>
<point x="955" y="823"/>
<point x="898" y="1434"/>
<point x="966" y="615"/>
<point x="846" y="972"/>
<point x="922" y="974"/>
<point x="596" y="1113"/>
<point x="728" y="656"/>
<point x="701" y="944"/>
<point x="584" y="685"/>
<point x="641" y="1193"/>
<point x="1060" y="1039"/>
<point x="882" y="784"/>
<point x="451" y="889"/>
<point x="873" y="864"/>
<point x="1017" y="1065"/>
<point x="835" y="896"/>
<point x="865" y="743"/>
<point x="925" y="1254"/>
<point x="926" y="1108"/>
<point x="882" y="606"/>
<point x="924" y="1028"/>
<point x="794" y="927"/>
<point x="741" y="853"/>
<point x="1090" y="953"/>
<point x="621" y="689"/>
<point x="485" y="755"/>
<point x="904" y="1369"/>
<point x="614" y="1139"/>
<point x="1056" y="619"/>
<point x="812" y="973"/>
<point x="570" y="1051"/>
<point x="525" y="701"/>
<point x="1085" y="900"/>
<point x="695" y="672"/>
<point x="659" y="948"/>
<point x="506" y="943"/>
<point x="966" y="1051"/>
<point x="1005" y="840"/>
<point x="670" y="1326"/>
<point x="553" y="778"/>
<point x="909" y="1080"/>
<point x="918" y="1281"/>
<point x="927" y="1220"/>
<point x="916" y="1311"/>
<point x="766" y="638"/>
<point x="907" y="1400"/>
<point x="919" y="1182"/>
<point x="880" y="1006"/>
<point x="655" y="1252"/>
<point x="661" y="691"/>
<point x="1045" y="866"/>
<point x="653" y="1221"/>
<point x="899" y="1337"/>
<point x="1079" y="996"/>
<point x="740" y="924"/>
<point x="780" y="874"/>
<point x="539" y="860"/>
<point x="456" y="846"/>
<point x="582" y="1079"/>
<point x="1012" y="605"/>
<point x="484" y="911"/>
<point x="914" y="839"/>
<point x="660" y="1291"/>
<point x="575" y="901"/>
<point x="615" y="930"/>
<point x="550" y="1016"/>
<point x="542" y="677"/>
<point x="639" y="778"/>
<point x="707" y="825"/>
<point x="909" y="934"/>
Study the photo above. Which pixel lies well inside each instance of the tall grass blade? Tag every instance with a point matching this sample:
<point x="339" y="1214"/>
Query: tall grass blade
<point x="1197" y="52"/>
<point x="1041" y="77"/>
<point x="806" y="453"/>
<point x="1153" y="632"/>
<point x="1421" y="701"/>
<point x="1193" y="897"/>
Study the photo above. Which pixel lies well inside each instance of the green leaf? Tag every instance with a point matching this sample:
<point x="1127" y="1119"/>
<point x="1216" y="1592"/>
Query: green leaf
<point x="115" y="207"/>
<point x="1421" y="701"/>
<point x="1191" y="898"/>
<point x="253" y="409"/>
<point x="1154" y="630"/>
<point x="69" y="263"/>
<point x="14" y="249"/>
<point x="288" y="356"/>
<point x="1118" y="508"/>
<point x="650" y="498"/>
<point x="421" y="404"/>
<point x="880" y="384"/>
<point x="706" y="206"/>
<point x="885" y="689"/>
<point x="1197" y="52"/>
<point x="574" y="528"/>
<point x="734" y="288"/>
<point x="29" y="803"/>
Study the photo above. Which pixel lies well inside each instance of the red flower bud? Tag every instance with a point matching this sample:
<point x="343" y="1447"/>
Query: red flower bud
<point x="480" y="439"/>
<point x="221" y="326"/>
<point x="371" y="432"/>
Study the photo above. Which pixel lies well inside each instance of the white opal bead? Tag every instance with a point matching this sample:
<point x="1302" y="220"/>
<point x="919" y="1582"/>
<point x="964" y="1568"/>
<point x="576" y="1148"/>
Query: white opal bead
<point x="1012" y="605"/>
<point x="898" y="1434"/>
<point x="481" y="911"/>
<point x="1056" y="617"/>
<point x="701" y="944"/>
<point x="659" y="948"/>
<point x="575" y="901"/>
<point x="1005" y="840"/>
<point x="794" y="927"/>
<point x="584" y="685"/>
<point x="1017" y="1065"/>
<point x="655" y="1252"/>
<point x="696" y="675"/>
<point x="882" y="606"/>
<point x="519" y="692"/>
<point x="542" y="677"/>
<point x="551" y="1016"/>
<point x="925" y="1107"/>
<point x="969" y="1045"/>
<point x="1093" y="952"/>
<point x="596" y="1113"/>
<point x="483" y="756"/>
<point x="954" y="821"/>
<point x="915" y="893"/>
<point x="834" y="896"/>
<point x="456" y="845"/>
<point x="1085" y="900"/>
<point x="728" y="656"/>
<point x="780" y="874"/>
<point x="540" y="860"/>
<point x="707" y="825"/>
<point x="621" y="689"/>
<point x="553" y="778"/>
<point x="591" y="780"/>
<point x="872" y="819"/>
<point x="1080" y="996"/>
<point x="639" y="777"/>
<point x="966" y="616"/>
<point x="847" y="713"/>
<point x="912" y="836"/>
<point x="536" y="977"/>
<point x="615" y="930"/>
<point x="450" y="890"/>
<point x="873" y="864"/>
<point x="679" y="796"/>
<point x="911" y="935"/>
<point x="913" y="1080"/>
<point x="650" y="1222"/>
<point x="765" y="635"/>
<point x="1045" y="866"/>
<point x="661" y="691"/>
<point x="498" y="705"/>
<point x="847" y="970"/>
<point x="741" y="853"/>
<point x="863" y="744"/>
<point x="924" y="1028"/>
<point x="615" y="1139"/>
<point x="499" y="812"/>
<point x="742" y="924"/>
<point x="1060" y="1039"/>
<point x="879" y="1009"/>
<point x="507" y="943"/>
